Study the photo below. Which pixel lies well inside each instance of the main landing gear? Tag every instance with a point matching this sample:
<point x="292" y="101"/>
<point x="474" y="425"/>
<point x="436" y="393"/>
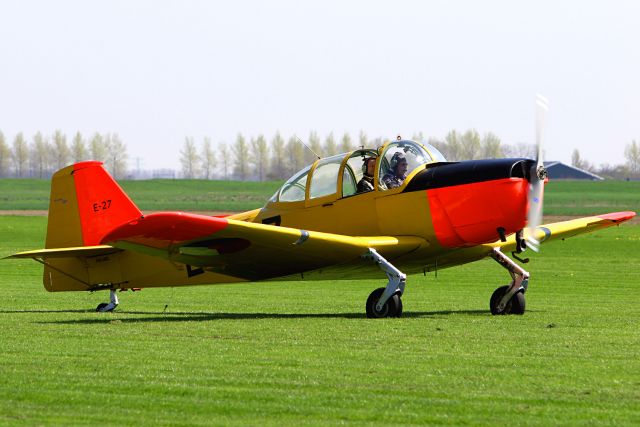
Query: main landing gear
<point x="111" y="305"/>
<point x="386" y="302"/>
<point x="509" y="299"/>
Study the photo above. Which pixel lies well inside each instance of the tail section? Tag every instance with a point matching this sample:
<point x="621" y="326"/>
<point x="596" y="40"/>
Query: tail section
<point x="86" y="203"/>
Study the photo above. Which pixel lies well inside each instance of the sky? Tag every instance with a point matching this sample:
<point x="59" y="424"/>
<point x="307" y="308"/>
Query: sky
<point x="156" y="72"/>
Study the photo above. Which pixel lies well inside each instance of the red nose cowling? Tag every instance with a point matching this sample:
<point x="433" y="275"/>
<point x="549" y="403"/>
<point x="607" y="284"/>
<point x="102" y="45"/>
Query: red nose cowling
<point x="473" y="202"/>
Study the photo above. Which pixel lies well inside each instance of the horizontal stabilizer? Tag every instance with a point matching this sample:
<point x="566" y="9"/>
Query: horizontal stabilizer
<point x="82" y="251"/>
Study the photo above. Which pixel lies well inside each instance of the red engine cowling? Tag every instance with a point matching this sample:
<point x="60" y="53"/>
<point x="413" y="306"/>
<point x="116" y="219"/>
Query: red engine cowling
<point x="471" y="214"/>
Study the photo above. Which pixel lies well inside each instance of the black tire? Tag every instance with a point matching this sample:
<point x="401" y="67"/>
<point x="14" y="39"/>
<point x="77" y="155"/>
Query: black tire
<point x="101" y="306"/>
<point x="515" y="305"/>
<point x="518" y="303"/>
<point x="392" y="308"/>
<point x="398" y="306"/>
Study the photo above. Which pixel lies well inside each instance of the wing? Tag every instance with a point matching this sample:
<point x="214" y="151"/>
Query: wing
<point x="566" y="229"/>
<point x="248" y="250"/>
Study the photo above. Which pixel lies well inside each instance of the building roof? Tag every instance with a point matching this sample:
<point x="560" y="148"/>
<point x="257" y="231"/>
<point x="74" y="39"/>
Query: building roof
<point x="559" y="170"/>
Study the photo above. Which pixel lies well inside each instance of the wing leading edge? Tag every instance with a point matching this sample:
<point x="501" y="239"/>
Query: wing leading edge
<point x="570" y="228"/>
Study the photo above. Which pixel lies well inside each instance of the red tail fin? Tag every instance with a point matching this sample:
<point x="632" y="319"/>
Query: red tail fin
<point x="86" y="203"/>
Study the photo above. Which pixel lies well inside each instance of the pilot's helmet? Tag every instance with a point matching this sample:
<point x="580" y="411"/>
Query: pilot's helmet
<point x="397" y="158"/>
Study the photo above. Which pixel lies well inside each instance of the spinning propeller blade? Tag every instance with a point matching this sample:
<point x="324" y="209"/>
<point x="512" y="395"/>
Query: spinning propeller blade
<point x="538" y="175"/>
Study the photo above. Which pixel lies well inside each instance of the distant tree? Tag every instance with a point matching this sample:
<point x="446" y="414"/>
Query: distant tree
<point x="116" y="161"/>
<point x="40" y="155"/>
<point x="5" y="157"/>
<point x="60" y="150"/>
<point x="608" y="171"/>
<point x="97" y="148"/>
<point x="440" y="145"/>
<point x="315" y="146"/>
<point x="632" y="154"/>
<point x="454" y="150"/>
<point x="579" y="162"/>
<point x="278" y="166"/>
<point x="491" y="147"/>
<point x="330" y="147"/>
<point x="296" y="152"/>
<point x="225" y="160"/>
<point x="78" y="149"/>
<point x="521" y="149"/>
<point x="418" y="137"/>
<point x="346" y="144"/>
<point x="189" y="159"/>
<point x="363" y="142"/>
<point x="576" y="161"/>
<point x="377" y="142"/>
<point x="470" y="142"/>
<point x="207" y="159"/>
<point x="260" y="158"/>
<point x="20" y="156"/>
<point x="240" y="152"/>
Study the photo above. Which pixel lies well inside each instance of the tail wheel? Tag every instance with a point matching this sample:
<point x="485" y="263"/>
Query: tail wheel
<point x="515" y="305"/>
<point x="391" y="308"/>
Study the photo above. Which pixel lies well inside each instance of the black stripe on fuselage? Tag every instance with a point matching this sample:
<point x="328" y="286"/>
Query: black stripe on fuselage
<point x="440" y="175"/>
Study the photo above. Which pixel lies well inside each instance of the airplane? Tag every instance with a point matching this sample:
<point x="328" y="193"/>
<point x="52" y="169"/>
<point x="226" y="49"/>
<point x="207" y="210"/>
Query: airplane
<point x="317" y="226"/>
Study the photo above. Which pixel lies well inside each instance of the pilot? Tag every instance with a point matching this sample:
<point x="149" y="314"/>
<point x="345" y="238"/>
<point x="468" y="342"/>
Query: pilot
<point x="398" y="172"/>
<point x="368" y="168"/>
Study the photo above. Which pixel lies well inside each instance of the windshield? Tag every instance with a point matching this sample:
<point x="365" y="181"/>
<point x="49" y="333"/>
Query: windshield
<point x="439" y="157"/>
<point x="294" y="189"/>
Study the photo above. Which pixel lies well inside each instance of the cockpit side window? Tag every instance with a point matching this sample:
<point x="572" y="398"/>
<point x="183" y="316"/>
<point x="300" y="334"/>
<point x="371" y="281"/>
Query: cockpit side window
<point x="348" y="182"/>
<point x="294" y="189"/>
<point x="324" y="180"/>
<point x="356" y="167"/>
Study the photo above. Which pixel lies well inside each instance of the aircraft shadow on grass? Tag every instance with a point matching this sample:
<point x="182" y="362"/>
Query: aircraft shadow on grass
<point x="159" y="316"/>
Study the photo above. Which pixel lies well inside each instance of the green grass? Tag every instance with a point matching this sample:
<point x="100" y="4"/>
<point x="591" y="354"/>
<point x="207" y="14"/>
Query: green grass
<point x="157" y="194"/>
<point x="587" y="197"/>
<point x="561" y="197"/>
<point x="303" y="353"/>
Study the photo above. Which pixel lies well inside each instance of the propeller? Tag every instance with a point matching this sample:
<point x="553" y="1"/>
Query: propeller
<point x="538" y="175"/>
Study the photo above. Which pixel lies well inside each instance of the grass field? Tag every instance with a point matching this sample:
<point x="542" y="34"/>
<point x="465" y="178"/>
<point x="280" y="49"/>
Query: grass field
<point x="304" y="354"/>
<point x="157" y="194"/>
<point x="561" y="197"/>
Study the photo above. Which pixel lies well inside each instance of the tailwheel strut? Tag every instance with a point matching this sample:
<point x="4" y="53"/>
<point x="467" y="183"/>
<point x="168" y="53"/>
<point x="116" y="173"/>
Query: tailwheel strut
<point x="111" y="305"/>
<point x="386" y="302"/>
<point x="509" y="299"/>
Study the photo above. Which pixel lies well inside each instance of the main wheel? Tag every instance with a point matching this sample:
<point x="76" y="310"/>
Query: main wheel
<point x="101" y="306"/>
<point x="514" y="306"/>
<point x="392" y="308"/>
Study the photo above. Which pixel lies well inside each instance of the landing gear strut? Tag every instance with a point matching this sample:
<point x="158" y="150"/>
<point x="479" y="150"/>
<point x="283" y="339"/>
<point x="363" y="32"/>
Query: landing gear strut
<point x="509" y="299"/>
<point x="386" y="302"/>
<point x="111" y="305"/>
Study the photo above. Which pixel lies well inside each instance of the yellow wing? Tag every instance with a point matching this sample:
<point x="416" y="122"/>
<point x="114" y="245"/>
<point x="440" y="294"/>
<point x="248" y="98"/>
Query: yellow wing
<point x="247" y="250"/>
<point x="570" y="228"/>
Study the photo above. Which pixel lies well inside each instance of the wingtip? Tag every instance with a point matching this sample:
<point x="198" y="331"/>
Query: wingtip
<point x="618" y="216"/>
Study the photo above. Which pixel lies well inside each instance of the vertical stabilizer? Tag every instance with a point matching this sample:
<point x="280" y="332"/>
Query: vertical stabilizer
<point x="86" y="203"/>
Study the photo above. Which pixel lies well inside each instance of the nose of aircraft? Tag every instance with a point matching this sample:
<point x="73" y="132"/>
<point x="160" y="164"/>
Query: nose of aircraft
<point x="476" y="202"/>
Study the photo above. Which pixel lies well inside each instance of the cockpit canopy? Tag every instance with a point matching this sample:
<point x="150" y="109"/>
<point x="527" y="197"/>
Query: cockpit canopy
<point x="338" y="176"/>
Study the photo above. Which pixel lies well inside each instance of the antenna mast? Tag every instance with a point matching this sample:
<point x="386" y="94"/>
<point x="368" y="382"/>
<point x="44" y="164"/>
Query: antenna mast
<point x="308" y="148"/>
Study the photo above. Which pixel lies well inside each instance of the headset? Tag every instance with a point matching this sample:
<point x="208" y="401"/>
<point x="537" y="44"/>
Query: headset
<point x="397" y="157"/>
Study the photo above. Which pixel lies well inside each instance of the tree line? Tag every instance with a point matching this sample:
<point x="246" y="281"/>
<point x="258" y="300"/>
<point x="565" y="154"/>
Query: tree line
<point x="259" y="158"/>
<point x="42" y="155"/>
